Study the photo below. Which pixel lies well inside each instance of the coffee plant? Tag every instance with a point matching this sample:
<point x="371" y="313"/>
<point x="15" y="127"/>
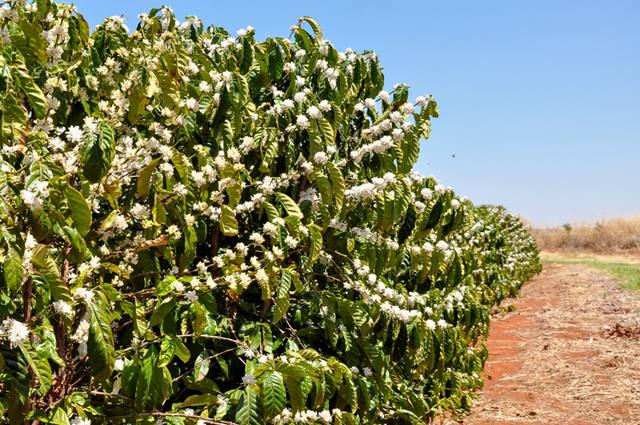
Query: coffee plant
<point x="203" y="228"/>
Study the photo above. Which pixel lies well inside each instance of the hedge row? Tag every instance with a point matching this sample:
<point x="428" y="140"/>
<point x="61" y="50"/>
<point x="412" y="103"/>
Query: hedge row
<point x="203" y="228"/>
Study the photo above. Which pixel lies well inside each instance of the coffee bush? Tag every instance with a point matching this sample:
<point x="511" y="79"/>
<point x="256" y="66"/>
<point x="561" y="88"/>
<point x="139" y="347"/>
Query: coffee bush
<point x="202" y="228"/>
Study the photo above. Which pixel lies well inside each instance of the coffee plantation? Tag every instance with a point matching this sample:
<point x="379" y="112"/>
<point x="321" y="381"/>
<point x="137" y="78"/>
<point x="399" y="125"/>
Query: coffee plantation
<point x="203" y="228"/>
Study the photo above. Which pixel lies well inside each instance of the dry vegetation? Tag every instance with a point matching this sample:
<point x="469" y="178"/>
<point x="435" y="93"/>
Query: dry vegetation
<point x="568" y="354"/>
<point x="620" y="235"/>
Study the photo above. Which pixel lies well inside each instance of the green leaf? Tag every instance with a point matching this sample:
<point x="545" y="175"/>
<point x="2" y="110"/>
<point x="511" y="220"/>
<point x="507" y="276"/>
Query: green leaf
<point x="326" y="190"/>
<point x="338" y="185"/>
<point x="98" y="154"/>
<point x="78" y="245"/>
<point x="228" y="222"/>
<point x="144" y="178"/>
<point x="100" y="345"/>
<point x="152" y="385"/>
<point x="167" y="351"/>
<point x="327" y="132"/>
<point x="247" y="55"/>
<point x="13" y="271"/>
<point x="314" y="26"/>
<point x="14" y="117"/>
<point x="276" y="62"/>
<point x="79" y="209"/>
<point x="40" y="368"/>
<point x="201" y="366"/>
<point x="60" y="417"/>
<point x="289" y="205"/>
<point x="200" y="400"/>
<point x="161" y="311"/>
<point x="274" y="396"/>
<point x="181" y="350"/>
<point x="272" y="212"/>
<point x="172" y="346"/>
<point x="140" y="326"/>
<point x="47" y="268"/>
<point x="315" y="236"/>
<point x="282" y="297"/>
<point x="410" y="152"/>
<point x="34" y="94"/>
<point x="249" y="411"/>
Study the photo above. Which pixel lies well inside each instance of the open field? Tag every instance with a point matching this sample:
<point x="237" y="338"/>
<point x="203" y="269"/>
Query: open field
<point x="621" y="236"/>
<point x="625" y="268"/>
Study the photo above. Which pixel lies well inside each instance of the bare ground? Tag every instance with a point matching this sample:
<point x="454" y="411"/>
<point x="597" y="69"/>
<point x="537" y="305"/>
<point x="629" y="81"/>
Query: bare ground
<point x="569" y="354"/>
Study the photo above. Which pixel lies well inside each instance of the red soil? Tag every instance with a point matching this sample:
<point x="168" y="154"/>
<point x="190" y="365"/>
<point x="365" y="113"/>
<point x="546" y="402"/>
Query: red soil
<point x="558" y="358"/>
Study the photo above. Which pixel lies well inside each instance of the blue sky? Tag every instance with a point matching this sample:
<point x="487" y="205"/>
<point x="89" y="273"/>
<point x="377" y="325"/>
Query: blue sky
<point x="539" y="101"/>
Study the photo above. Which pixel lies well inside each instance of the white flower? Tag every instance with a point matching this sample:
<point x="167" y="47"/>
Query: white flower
<point x="426" y="193"/>
<point x="191" y="296"/>
<point x="84" y="294"/>
<point x="180" y="189"/>
<point x="324" y="106"/>
<point x="325" y="416"/>
<point x="178" y="286"/>
<point x="139" y="211"/>
<point x="300" y="97"/>
<point x="247" y="144"/>
<point x="354" y="370"/>
<point x="62" y="307"/>
<point x="367" y="371"/>
<point x="30" y="199"/>
<point x="289" y="67"/>
<point x="422" y="101"/>
<point x="302" y="122"/>
<point x="74" y="134"/>
<point x="192" y="104"/>
<point x="370" y="103"/>
<point x="204" y="86"/>
<point x="431" y="325"/>
<point x="16" y="332"/>
<point x="79" y="421"/>
<point x="384" y="96"/>
<point x="120" y="222"/>
<point x="248" y="379"/>
<point x="314" y="112"/>
<point x="173" y="231"/>
<point x="81" y="336"/>
<point x="256" y="238"/>
<point x="442" y="245"/>
<point x="118" y="364"/>
<point x="270" y="229"/>
<point x="262" y="276"/>
<point x="442" y="323"/>
<point x="320" y="158"/>
<point x="291" y="242"/>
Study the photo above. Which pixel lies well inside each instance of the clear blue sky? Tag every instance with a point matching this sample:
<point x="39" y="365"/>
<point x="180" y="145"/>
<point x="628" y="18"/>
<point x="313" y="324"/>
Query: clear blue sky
<point x="539" y="100"/>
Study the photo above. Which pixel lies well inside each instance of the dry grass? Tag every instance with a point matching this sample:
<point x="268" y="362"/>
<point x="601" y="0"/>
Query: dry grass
<point x="573" y="339"/>
<point x="620" y="235"/>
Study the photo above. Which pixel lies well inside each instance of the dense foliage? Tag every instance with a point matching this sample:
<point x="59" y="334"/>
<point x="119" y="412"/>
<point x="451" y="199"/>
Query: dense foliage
<point x="203" y="228"/>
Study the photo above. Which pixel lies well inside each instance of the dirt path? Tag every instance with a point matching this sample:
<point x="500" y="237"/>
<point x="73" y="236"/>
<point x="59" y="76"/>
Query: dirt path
<point x="559" y="357"/>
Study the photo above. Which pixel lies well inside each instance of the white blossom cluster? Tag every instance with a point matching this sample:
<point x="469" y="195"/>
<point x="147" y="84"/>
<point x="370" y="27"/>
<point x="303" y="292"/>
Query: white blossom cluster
<point x="306" y="417"/>
<point x="14" y="331"/>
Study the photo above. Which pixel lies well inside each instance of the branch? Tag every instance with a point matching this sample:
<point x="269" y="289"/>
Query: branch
<point x="26" y="300"/>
